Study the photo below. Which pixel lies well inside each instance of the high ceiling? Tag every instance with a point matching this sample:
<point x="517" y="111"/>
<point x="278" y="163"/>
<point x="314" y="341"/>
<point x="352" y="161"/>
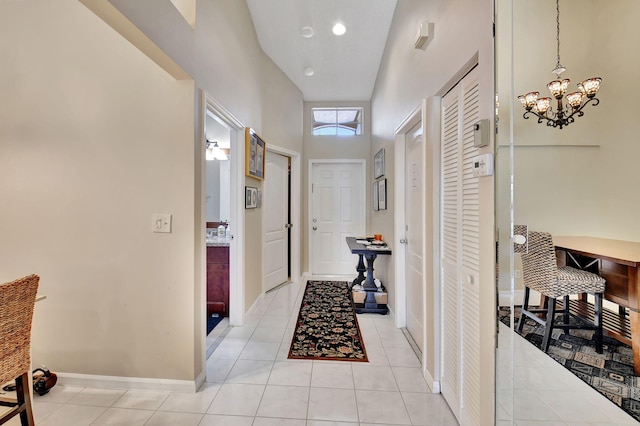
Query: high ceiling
<point x="344" y="67"/>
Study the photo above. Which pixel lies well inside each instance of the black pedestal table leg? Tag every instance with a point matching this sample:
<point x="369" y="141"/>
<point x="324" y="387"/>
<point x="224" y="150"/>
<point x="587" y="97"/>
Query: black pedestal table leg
<point x="360" y="268"/>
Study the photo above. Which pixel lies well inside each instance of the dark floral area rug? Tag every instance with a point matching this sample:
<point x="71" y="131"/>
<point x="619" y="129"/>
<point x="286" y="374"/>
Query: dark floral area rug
<point x="327" y="327"/>
<point x="610" y="373"/>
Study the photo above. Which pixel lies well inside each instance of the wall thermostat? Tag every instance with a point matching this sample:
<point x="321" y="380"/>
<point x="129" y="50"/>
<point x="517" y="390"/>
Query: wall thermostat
<point x="483" y="165"/>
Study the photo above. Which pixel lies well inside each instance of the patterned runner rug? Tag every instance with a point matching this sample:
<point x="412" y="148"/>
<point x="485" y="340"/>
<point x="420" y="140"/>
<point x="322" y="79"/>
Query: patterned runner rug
<point x="610" y="373"/>
<point x="327" y="327"/>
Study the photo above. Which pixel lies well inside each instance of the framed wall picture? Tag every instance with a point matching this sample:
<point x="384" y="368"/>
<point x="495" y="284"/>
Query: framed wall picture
<point x="250" y="197"/>
<point x="378" y="164"/>
<point x="255" y="154"/>
<point x="375" y="196"/>
<point x="382" y="194"/>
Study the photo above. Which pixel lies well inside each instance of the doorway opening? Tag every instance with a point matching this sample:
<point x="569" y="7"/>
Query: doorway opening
<point x="218" y="218"/>
<point x="221" y="204"/>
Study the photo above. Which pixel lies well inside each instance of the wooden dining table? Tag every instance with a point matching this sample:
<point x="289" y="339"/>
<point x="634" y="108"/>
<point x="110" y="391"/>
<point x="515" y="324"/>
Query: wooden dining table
<point x="617" y="262"/>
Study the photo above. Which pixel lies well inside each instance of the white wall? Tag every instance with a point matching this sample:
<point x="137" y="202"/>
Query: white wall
<point x="225" y="58"/>
<point x="462" y="29"/>
<point x="94" y="139"/>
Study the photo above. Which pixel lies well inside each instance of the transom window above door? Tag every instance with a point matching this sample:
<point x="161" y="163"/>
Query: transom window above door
<point x="336" y="121"/>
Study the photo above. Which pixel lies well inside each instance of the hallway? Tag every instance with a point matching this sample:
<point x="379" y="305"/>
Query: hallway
<point x="251" y="382"/>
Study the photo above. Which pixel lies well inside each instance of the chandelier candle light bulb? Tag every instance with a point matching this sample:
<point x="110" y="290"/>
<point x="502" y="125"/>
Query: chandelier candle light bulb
<point x="576" y="101"/>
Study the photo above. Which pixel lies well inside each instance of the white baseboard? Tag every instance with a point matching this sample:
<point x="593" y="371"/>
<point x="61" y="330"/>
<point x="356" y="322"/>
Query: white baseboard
<point x="433" y="384"/>
<point x="130" y="383"/>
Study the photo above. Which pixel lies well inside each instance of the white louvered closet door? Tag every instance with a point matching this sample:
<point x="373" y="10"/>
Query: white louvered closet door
<point x="460" y="248"/>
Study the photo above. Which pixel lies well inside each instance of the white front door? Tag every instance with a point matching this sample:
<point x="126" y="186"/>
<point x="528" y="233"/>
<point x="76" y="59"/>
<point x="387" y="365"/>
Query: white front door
<point x="337" y="211"/>
<point x="414" y="216"/>
<point x="276" y="220"/>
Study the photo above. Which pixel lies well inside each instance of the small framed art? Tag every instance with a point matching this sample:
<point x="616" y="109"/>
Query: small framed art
<point x="378" y="164"/>
<point x="250" y="197"/>
<point x="255" y="154"/>
<point x="382" y="194"/>
<point x="375" y="196"/>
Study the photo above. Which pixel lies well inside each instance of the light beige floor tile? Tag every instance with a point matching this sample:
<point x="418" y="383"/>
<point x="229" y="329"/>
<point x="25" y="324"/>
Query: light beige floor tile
<point x="376" y="355"/>
<point x="144" y="400"/>
<point x="576" y="406"/>
<point x="527" y="405"/>
<point x="394" y="339"/>
<point x="265" y="351"/>
<point x="284" y="402"/>
<point x="268" y="334"/>
<point x="275" y="320"/>
<point x="73" y="415"/>
<point x="373" y="377"/>
<point x="218" y="369"/>
<point x="332" y="375"/>
<point x="163" y="418"/>
<point x="410" y="379"/>
<point x="266" y="421"/>
<point x="250" y="372"/>
<point x="237" y="399"/>
<point x="229" y="349"/>
<point x="283" y="352"/>
<point x="240" y="333"/>
<point x="97" y="397"/>
<point x="123" y="417"/>
<point x="291" y="373"/>
<point x="383" y="407"/>
<point x="220" y="420"/>
<point x="401" y="357"/>
<point x="185" y="402"/>
<point x="428" y="409"/>
<point x="41" y="410"/>
<point x="332" y="404"/>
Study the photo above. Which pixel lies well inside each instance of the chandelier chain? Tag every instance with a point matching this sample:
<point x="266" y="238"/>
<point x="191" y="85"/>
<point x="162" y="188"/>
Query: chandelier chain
<point x="558" y="30"/>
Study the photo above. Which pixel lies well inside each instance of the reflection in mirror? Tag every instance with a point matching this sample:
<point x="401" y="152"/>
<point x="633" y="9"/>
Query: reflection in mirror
<point x="575" y="181"/>
<point x="218" y="197"/>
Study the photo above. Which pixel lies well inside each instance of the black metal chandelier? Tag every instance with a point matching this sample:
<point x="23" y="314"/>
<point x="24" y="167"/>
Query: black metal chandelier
<point x="576" y="101"/>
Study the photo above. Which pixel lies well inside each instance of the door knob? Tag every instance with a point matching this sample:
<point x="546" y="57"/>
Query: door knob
<point x="403" y="241"/>
<point x="315" y="228"/>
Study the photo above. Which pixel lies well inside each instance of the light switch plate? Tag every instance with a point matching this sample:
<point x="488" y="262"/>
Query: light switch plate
<point x="161" y="222"/>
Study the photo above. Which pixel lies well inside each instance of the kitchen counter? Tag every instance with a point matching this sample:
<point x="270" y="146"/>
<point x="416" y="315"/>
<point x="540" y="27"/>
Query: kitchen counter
<point x="217" y="243"/>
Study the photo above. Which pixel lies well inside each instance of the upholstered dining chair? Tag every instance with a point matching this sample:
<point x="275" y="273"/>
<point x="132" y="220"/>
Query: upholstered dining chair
<point x="17" y="300"/>
<point x="541" y="273"/>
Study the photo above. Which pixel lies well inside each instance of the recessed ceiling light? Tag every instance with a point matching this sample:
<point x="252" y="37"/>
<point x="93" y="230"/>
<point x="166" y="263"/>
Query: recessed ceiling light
<point x="308" y="71"/>
<point x="306" y="32"/>
<point x="339" y="29"/>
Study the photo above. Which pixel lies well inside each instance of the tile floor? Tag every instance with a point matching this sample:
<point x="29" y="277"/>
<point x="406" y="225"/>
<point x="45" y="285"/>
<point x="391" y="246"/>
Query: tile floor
<point x="250" y="381"/>
<point x="542" y="392"/>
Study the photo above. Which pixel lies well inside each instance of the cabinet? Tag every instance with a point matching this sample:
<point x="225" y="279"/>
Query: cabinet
<point x="218" y="281"/>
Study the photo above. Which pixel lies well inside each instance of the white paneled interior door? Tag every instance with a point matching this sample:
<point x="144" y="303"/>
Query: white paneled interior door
<point x="276" y="220"/>
<point x="460" y="248"/>
<point x="336" y="212"/>
<point x="414" y="217"/>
